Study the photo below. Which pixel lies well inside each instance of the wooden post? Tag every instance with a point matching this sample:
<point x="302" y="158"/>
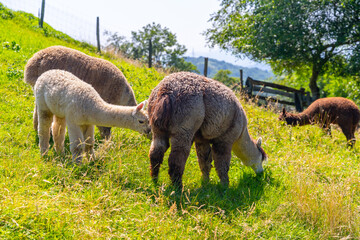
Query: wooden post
<point x="150" y="53"/>
<point x="297" y="101"/>
<point x="241" y="80"/>
<point x="249" y="87"/>
<point x="41" y="21"/>
<point x="98" y="34"/>
<point x="205" y="66"/>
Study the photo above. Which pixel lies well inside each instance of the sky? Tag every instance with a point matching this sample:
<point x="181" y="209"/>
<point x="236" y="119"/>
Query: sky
<point x="188" y="19"/>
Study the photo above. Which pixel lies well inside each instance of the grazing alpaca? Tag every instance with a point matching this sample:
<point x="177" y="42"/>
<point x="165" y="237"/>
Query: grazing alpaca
<point x="187" y="107"/>
<point x="326" y="111"/>
<point x="102" y="75"/>
<point x="63" y="98"/>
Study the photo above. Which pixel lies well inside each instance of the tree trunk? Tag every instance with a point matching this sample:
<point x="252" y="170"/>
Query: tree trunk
<point x="315" y="91"/>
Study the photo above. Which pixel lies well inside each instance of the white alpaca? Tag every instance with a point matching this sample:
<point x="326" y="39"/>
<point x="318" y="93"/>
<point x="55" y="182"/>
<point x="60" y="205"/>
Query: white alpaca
<point x="61" y="96"/>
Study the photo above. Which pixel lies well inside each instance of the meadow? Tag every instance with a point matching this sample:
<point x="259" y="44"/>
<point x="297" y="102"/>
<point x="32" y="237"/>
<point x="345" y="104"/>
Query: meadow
<point x="310" y="189"/>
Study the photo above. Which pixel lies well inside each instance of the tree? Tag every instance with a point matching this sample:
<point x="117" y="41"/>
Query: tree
<point x="223" y="76"/>
<point x="166" y="51"/>
<point x="118" y="43"/>
<point x="291" y="35"/>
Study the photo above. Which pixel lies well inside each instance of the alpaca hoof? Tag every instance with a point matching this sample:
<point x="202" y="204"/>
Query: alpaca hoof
<point x="77" y="160"/>
<point x="105" y="132"/>
<point x="178" y="187"/>
<point x="155" y="181"/>
<point x="205" y="180"/>
<point x="177" y="184"/>
<point x="224" y="183"/>
<point x="351" y="143"/>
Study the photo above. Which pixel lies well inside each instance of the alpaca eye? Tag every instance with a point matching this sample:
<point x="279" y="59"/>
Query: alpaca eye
<point x="141" y="121"/>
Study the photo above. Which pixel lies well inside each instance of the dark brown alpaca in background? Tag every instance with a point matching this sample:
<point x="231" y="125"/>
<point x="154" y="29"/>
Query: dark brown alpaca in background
<point x="326" y="111"/>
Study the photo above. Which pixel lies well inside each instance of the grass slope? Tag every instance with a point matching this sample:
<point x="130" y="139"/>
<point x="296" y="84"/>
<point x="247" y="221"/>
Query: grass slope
<point x="311" y="188"/>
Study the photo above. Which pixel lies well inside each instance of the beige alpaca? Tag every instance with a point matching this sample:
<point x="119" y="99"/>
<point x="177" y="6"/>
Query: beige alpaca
<point x="62" y="98"/>
<point x="187" y="107"/>
<point x="102" y="75"/>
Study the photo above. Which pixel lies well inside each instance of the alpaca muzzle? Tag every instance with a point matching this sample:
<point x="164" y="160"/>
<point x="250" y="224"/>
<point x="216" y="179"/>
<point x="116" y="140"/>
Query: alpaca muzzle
<point x="258" y="169"/>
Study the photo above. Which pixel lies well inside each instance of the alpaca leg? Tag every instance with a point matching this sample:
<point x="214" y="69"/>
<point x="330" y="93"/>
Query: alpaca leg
<point x="159" y="145"/>
<point x="77" y="145"/>
<point x="44" y="122"/>
<point x="58" y="132"/>
<point x="353" y="139"/>
<point x="203" y="151"/>
<point x="35" y="119"/>
<point x="180" y="150"/>
<point x="349" y="131"/>
<point x="222" y="156"/>
<point x="88" y="132"/>
<point x="105" y="132"/>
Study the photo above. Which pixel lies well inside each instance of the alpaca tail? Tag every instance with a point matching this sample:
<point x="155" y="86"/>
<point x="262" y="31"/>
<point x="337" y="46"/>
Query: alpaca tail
<point x="31" y="73"/>
<point x="161" y="112"/>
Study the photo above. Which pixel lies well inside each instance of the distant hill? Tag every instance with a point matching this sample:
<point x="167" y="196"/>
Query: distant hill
<point x="215" y="65"/>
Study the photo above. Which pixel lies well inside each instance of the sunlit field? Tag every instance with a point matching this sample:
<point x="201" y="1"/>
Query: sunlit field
<point x="310" y="189"/>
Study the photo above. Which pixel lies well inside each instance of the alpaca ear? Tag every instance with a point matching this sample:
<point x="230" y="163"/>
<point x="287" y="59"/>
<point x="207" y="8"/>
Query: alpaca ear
<point x="145" y="104"/>
<point x="141" y="105"/>
<point x="259" y="141"/>
<point x="284" y="111"/>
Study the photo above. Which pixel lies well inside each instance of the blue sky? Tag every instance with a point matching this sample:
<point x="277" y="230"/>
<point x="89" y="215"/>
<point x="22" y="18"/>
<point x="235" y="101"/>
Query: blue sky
<point x="188" y="19"/>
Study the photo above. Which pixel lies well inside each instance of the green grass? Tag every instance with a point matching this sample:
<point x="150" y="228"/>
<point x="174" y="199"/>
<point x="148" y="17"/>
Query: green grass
<point x="310" y="189"/>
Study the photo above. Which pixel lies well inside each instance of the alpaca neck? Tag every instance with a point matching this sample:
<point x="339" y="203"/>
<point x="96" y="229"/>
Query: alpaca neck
<point x="112" y="116"/>
<point x="302" y="118"/>
<point x="245" y="149"/>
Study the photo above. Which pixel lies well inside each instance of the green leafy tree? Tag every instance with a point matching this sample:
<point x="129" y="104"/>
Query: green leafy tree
<point x="166" y="52"/>
<point x="292" y="35"/>
<point x="179" y="63"/>
<point x="223" y="76"/>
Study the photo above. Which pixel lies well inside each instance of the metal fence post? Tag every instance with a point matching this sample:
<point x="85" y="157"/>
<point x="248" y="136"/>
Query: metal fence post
<point x="150" y="53"/>
<point x="98" y="34"/>
<point x="41" y="21"/>
<point x="241" y="80"/>
<point x="206" y="66"/>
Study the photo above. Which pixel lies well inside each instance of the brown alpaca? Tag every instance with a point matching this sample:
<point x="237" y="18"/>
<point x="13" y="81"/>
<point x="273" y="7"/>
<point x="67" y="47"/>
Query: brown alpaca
<point x="326" y="111"/>
<point x="186" y="107"/>
<point x="102" y="75"/>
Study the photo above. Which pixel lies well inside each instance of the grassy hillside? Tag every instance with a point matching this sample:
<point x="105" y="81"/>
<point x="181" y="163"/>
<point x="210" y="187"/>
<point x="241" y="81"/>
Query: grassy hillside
<point x="310" y="189"/>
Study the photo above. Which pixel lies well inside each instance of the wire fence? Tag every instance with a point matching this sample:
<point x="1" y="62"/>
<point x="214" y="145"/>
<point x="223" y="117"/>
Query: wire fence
<point x="80" y="28"/>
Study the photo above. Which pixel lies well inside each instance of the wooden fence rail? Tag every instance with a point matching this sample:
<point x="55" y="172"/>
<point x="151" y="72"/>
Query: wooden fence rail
<point x="270" y="92"/>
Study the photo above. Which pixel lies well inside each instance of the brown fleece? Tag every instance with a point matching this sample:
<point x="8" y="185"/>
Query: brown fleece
<point x="187" y="107"/>
<point x="326" y="111"/>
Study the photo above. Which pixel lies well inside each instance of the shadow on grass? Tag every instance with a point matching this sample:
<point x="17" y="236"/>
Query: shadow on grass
<point x="248" y="191"/>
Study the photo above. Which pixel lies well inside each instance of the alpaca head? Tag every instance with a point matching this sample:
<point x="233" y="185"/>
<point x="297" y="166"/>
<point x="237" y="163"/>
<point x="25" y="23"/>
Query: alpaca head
<point x="258" y="165"/>
<point x="141" y="119"/>
<point x="289" y="118"/>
